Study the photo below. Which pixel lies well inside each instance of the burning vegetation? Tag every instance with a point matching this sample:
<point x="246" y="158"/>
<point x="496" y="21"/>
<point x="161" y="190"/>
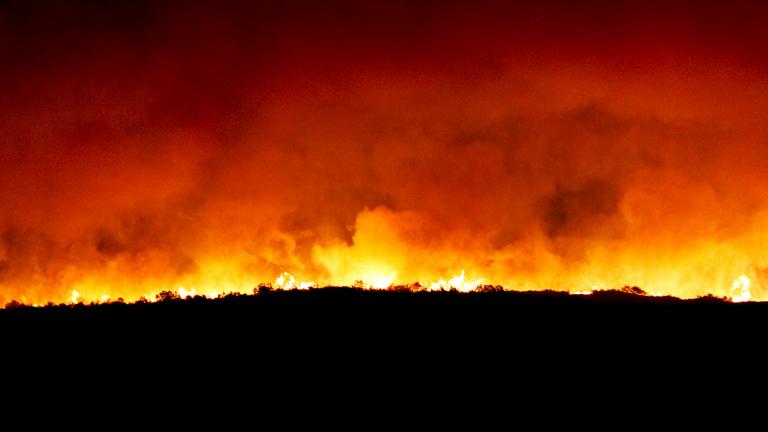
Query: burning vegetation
<point x="286" y="282"/>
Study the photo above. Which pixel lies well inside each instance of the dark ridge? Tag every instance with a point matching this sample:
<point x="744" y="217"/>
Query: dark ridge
<point x="337" y="332"/>
<point x="344" y="308"/>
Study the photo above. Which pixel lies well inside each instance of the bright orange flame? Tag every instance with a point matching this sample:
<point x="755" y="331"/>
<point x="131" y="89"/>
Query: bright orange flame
<point x="740" y="289"/>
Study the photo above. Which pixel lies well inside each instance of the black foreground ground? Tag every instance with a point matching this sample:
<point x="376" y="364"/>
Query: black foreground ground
<point x="349" y="313"/>
<point x="369" y="340"/>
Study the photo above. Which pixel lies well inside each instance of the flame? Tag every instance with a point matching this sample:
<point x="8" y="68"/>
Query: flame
<point x="457" y="283"/>
<point x="184" y="293"/>
<point x="382" y="282"/>
<point x="287" y="281"/>
<point x="740" y="290"/>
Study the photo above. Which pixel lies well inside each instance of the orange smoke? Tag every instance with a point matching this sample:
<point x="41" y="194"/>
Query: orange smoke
<point x="151" y="147"/>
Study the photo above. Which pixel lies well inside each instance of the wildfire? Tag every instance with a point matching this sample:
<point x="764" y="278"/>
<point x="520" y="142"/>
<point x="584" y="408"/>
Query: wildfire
<point x="381" y="282"/>
<point x="740" y="290"/>
<point x="457" y="283"/>
<point x="285" y="281"/>
<point x="184" y="293"/>
<point x="288" y="281"/>
<point x="219" y="166"/>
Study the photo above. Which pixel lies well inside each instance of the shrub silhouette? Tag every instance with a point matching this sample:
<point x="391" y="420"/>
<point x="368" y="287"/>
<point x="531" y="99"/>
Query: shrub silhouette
<point x="14" y="304"/>
<point x="164" y="296"/>
<point x="711" y="299"/>
<point x="489" y="288"/>
<point x="263" y="288"/>
<point x="414" y="287"/>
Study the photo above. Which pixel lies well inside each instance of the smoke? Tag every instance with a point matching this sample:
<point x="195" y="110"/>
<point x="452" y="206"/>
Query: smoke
<point x="152" y="145"/>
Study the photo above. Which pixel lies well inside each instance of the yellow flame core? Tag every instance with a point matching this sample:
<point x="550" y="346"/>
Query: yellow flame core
<point x="740" y="291"/>
<point x="458" y="283"/>
<point x="287" y="281"/>
<point x="382" y="282"/>
<point x="184" y="293"/>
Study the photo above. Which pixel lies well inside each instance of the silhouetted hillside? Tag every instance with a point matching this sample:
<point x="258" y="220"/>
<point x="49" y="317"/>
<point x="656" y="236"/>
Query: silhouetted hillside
<point x="297" y="332"/>
<point x="351" y="309"/>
